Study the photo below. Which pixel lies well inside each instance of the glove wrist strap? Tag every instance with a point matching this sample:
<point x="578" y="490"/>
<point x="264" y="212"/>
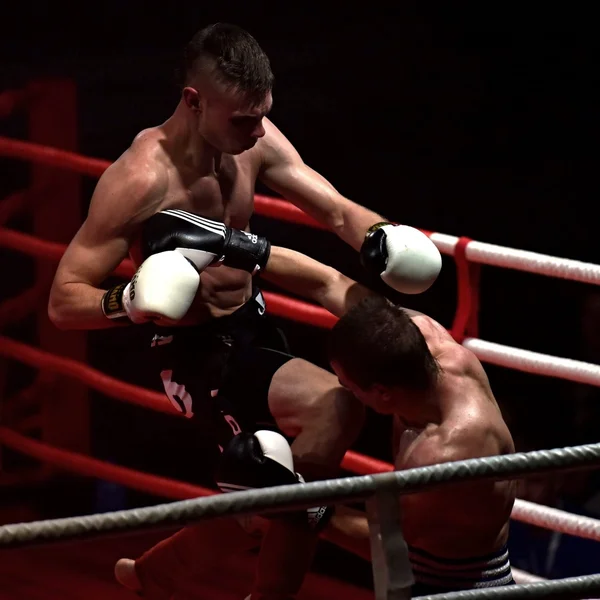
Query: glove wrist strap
<point x="375" y="227"/>
<point x="247" y="251"/>
<point x="113" y="305"/>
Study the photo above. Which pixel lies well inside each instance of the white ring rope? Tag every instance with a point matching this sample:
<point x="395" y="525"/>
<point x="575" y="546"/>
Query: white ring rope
<point x="534" y="362"/>
<point x="521" y="260"/>
<point x="556" y="520"/>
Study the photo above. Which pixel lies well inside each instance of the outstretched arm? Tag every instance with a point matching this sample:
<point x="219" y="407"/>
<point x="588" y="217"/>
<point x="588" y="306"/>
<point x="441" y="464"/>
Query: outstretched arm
<point x="304" y="276"/>
<point x="284" y="171"/>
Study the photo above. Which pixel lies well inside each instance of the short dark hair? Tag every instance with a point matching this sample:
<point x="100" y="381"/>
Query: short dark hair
<point x="377" y="342"/>
<point x="233" y="56"/>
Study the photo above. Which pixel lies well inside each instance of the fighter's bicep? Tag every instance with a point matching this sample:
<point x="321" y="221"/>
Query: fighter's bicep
<point x="90" y="259"/>
<point x="123" y="199"/>
<point x="283" y="170"/>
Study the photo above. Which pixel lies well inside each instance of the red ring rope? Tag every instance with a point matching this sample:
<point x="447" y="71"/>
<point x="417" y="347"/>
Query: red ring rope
<point x="106" y="384"/>
<point x="127" y="392"/>
<point x="92" y="467"/>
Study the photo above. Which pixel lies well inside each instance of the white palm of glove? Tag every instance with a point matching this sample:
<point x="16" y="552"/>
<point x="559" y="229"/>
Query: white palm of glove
<point x="162" y="290"/>
<point x="413" y="263"/>
<point x="404" y="257"/>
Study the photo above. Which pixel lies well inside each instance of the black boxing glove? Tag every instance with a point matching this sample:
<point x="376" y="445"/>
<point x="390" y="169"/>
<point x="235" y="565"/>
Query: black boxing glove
<point x="204" y="241"/>
<point x="264" y="459"/>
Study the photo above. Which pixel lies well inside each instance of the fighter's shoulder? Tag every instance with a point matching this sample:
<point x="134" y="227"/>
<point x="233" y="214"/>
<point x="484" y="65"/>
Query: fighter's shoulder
<point x="439" y="444"/>
<point x="455" y="358"/>
<point x="272" y="132"/>
<point x="274" y="145"/>
<point x="130" y="188"/>
<point x="142" y="169"/>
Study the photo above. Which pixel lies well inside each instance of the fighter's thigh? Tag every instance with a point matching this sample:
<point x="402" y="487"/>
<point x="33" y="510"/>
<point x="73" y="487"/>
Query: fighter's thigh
<point x="308" y="403"/>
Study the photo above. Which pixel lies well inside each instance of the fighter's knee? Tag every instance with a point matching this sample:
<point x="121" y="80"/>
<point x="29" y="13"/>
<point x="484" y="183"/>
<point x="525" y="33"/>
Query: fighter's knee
<point x="264" y="459"/>
<point x="301" y="380"/>
<point x="335" y="412"/>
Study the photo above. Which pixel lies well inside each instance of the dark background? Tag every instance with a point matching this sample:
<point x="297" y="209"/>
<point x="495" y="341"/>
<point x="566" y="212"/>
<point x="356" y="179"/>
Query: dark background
<point x="467" y="121"/>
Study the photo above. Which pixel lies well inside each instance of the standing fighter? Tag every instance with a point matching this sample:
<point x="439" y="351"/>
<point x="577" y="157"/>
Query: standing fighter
<point x="205" y="159"/>
<point x="402" y="363"/>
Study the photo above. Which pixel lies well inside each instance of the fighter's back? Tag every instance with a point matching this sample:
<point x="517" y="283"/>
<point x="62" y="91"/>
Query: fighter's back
<point x="464" y="519"/>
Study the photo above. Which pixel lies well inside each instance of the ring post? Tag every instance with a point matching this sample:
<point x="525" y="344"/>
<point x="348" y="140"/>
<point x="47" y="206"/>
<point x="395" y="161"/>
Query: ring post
<point x="392" y="573"/>
<point x="53" y="122"/>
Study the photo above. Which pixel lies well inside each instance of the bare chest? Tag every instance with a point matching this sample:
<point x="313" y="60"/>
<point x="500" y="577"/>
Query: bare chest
<point x="227" y="196"/>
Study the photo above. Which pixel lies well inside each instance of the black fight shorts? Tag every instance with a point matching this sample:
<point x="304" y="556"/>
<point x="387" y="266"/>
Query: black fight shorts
<point x="219" y="372"/>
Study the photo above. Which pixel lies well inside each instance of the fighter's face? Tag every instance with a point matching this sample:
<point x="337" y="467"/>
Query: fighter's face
<point x="375" y="396"/>
<point x="229" y="122"/>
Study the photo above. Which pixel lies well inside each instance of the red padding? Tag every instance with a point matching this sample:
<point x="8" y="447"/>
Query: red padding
<point x="465" y="290"/>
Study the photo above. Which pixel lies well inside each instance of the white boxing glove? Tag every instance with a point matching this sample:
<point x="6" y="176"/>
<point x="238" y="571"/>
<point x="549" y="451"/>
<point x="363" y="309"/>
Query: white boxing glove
<point x="162" y="289"/>
<point x="264" y="459"/>
<point x="275" y="447"/>
<point x="255" y="460"/>
<point x="404" y="257"/>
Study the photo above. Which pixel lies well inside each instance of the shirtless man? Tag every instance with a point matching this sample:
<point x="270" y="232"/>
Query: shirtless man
<point x="402" y="363"/>
<point x="205" y="159"/>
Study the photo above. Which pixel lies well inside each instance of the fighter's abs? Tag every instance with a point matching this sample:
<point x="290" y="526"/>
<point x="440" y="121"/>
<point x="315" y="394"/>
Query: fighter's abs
<point x="228" y="198"/>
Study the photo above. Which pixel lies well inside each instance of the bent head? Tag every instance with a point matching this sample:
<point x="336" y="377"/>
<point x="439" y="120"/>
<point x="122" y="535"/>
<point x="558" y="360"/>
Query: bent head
<point x="227" y="83"/>
<point x="381" y="356"/>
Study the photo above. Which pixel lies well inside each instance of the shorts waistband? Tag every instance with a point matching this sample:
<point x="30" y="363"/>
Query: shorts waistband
<point x="461" y="573"/>
<point x="254" y="307"/>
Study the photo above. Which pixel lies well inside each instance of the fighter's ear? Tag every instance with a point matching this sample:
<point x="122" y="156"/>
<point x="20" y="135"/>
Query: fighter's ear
<point x="191" y="97"/>
<point x="382" y="391"/>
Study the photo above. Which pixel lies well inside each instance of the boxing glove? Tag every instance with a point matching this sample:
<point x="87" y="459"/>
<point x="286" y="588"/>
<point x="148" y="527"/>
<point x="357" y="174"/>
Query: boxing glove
<point x="404" y="257"/>
<point x="162" y="290"/>
<point x="264" y="459"/>
<point x="204" y="241"/>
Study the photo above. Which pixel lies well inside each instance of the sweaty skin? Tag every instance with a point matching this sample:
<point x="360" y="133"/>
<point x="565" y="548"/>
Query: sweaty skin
<point x="455" y="521"/>
<point x="175" y="166"/>
<point x="172" y="167"/>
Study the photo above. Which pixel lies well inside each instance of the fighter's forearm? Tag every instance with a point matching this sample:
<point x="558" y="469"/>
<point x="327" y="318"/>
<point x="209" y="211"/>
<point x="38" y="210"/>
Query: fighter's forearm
<point x="349" y="529"/>
<point x="297" y="273"/>
<point x="78" y="306"/>
<point x="306" y="277"/>
<point x="354" y="222"/>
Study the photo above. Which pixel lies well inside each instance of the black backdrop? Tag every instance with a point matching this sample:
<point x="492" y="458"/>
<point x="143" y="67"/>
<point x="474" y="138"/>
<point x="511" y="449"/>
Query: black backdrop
<point x="467" y="123"/>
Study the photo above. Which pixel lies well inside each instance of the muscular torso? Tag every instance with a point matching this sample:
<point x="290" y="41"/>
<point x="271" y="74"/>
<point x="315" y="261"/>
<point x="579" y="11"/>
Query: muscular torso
<point x="226" y="195"/>
<point x="457" y="520"/>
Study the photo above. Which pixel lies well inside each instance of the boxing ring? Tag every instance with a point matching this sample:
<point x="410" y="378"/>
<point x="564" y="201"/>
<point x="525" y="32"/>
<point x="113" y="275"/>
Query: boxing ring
<point x="50" y="107"/>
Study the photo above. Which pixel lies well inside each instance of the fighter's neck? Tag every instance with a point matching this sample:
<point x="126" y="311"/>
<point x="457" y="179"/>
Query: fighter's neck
<point x="418" y="410"/>
<point x="188" y="146"/>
